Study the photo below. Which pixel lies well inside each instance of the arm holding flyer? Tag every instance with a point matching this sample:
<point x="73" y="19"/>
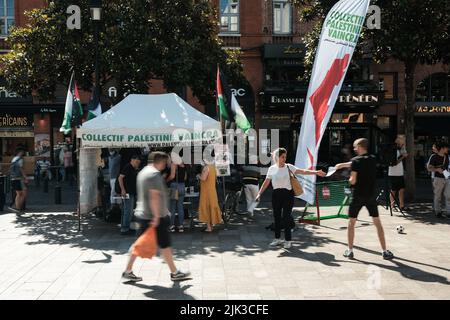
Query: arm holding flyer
<point x="446" y="174"/>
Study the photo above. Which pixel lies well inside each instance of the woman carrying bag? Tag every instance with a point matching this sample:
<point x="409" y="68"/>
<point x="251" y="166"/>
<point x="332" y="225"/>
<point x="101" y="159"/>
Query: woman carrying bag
<point x="285" y="187"/>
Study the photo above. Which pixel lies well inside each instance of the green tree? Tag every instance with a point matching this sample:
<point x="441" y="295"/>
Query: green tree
<point x="175" y="41"/>
<point x="413" y="32"/>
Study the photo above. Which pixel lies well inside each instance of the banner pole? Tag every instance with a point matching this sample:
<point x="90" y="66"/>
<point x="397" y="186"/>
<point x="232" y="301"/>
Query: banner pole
<point x="78" y="144"/>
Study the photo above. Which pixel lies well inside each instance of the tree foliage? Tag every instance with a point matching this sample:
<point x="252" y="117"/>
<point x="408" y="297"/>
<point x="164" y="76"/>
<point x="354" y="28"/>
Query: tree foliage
<point x="412" y="31"/>
<point x="175" y="41"/>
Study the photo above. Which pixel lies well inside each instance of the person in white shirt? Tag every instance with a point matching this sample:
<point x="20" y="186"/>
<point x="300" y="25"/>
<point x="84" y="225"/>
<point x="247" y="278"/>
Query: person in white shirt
<point x="283" y="195"/>
<point x="396" y="172"/>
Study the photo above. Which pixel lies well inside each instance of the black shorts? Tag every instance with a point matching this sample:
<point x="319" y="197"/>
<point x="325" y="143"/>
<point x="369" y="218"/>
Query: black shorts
<point x="397" y="183"/>
<point x="18" y="185"/>
<point x="162" y="231"/>
<point x="357" y="204"/>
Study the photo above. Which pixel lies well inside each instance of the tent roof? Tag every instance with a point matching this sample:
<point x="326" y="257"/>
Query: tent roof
<point x="143" y="115"/>
<point x="150" y="111"/>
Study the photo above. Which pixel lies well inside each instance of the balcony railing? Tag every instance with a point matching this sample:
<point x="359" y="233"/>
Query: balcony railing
<point x="348" y="86"/>
<point x="281" y="39"/>
<point x="232" y="41"/>
<point x="360" y="85"/>
<point x="285" y="85"/>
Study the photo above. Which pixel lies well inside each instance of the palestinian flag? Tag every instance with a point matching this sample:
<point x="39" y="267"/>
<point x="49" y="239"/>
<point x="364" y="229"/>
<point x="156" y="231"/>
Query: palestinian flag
<point x="94" y="107"/>
<point x="73" y="110"/>
<point x="229" y="107"/>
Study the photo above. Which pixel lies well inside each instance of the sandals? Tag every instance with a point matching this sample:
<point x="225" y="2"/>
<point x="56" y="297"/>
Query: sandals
<point x="172" y="228"/>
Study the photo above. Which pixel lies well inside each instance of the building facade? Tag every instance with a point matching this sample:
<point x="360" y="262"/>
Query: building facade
<point x="268" y="34"/>
<point x="372" y="100"/>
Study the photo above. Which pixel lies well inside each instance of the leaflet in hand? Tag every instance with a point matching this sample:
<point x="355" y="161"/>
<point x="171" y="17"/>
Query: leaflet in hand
<point x="331" y="171"/>
<point x="446" y="174"/>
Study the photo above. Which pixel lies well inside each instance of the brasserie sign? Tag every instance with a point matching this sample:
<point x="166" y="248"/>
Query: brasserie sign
<point x="433" y="109"/>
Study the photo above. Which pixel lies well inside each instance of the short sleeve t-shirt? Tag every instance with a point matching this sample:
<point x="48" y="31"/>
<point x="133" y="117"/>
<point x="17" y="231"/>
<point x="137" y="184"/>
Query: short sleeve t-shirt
<point x="16" y="164"/>
<point x="398" y="170"/>
<point x="130" y="174"/>
<point x="280" y="176"/>
<point x="366" y="181"/>
<point x="438" y="162"/>
<point x="150" y="178"/>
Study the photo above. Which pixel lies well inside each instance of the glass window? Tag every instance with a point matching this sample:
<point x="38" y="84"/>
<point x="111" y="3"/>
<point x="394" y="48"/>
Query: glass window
<point x="6" y="16"/>
<point x="388" y="83"/>
<point x="229" y="16"/>
<point x="282" y="17"/>
<point x="435" y="88"/>
<point x="10" y="8"/>
<point x="2" y="26"/>
<point x="383" y="122"/>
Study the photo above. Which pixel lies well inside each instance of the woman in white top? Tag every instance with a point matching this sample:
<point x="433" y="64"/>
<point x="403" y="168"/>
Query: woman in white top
<point x="282" y="196"/>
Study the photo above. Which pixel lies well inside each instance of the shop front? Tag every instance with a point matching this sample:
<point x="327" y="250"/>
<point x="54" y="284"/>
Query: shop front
<point x="432" y="121"/>
<point x="354" y="117"/>
<point x="30" y="126"/>
<point x="432" y="116"/>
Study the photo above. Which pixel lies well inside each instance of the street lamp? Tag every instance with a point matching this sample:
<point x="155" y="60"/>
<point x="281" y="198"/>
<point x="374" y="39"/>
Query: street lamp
<point x="96" y="15"/>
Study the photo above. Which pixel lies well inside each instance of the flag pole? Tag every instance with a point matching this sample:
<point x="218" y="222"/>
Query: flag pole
<point x="77" y="144"/>
<point x="222" y="127"/>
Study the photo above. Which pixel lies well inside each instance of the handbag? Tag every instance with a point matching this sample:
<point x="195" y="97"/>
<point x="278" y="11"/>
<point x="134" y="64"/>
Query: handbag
<point x="296" y="186"/>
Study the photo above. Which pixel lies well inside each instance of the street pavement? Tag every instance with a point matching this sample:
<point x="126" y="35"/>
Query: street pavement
<point x="43" y="256"/>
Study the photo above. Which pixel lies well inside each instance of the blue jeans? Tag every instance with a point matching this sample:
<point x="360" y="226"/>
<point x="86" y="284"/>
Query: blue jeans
<point x="177" y="205"/>
<point x="127" y="211"/>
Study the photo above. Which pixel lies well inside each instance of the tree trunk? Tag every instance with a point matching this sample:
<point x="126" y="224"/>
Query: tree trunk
<point x="410" y="174"/>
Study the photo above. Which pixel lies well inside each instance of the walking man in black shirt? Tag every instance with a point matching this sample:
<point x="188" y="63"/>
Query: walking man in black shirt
<point x="363" y="180"/>
<point x="127" y="185"/>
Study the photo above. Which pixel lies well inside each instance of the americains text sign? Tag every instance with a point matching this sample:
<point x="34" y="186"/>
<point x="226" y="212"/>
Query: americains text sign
<point x="15" y="121"/>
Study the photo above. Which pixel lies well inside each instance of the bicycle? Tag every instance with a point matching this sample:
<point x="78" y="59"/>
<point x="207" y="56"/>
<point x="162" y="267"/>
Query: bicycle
<point x="231" y="203"/>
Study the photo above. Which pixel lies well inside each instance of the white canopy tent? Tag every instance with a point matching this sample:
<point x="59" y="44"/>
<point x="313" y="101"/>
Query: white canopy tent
<point x="140" y="120"/>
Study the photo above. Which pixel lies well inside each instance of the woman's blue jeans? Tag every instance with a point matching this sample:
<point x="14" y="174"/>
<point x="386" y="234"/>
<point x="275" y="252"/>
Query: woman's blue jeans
<point x="177" y="205"/>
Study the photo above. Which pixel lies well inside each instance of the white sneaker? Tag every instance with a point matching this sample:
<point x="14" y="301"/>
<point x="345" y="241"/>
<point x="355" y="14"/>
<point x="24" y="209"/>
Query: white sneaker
<point x="287" y="244"/>
<point x="276" y="242"/>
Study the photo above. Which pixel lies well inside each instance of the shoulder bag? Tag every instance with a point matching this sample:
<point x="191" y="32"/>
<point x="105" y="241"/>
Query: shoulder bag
<point x="296" y="186"/>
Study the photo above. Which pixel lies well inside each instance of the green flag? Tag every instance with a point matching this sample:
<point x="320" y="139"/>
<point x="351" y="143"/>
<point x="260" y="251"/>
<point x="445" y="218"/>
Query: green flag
<point x="73" y="111"/>
<point x="94" y="108"/>
<point x="229" y="108"/>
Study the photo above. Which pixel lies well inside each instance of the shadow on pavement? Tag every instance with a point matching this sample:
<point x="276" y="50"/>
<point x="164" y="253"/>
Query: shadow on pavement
<point x="176" y="292"/>
<point x="409" y="272"/>
<point x="325" y="258"/>
<point x="62" y="229"/>
<point x="106" y="260"/>
<point x="405" y="270"/>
